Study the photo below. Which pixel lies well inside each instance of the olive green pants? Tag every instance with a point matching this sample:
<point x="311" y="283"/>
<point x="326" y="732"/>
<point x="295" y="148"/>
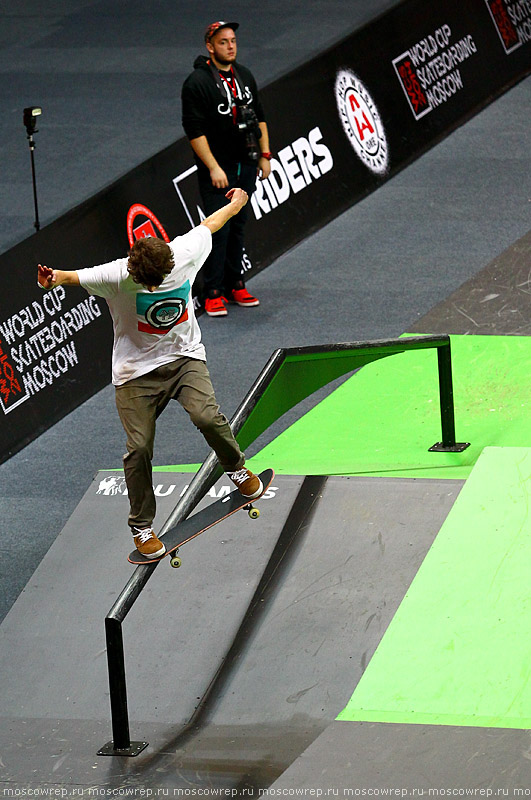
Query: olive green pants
<point x="141" y="400"/>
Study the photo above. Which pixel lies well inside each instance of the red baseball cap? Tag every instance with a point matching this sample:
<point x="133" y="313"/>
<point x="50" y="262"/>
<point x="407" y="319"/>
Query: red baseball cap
<point x="216" y="26"/>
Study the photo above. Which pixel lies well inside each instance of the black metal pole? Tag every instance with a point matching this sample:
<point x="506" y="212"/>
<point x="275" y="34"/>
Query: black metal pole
<point x="118" y="694"/>
<point x="446" y="393"/>
<point x="446" y="398"/>
<point x="32" y="148"/>
<point x="121" y="743"/>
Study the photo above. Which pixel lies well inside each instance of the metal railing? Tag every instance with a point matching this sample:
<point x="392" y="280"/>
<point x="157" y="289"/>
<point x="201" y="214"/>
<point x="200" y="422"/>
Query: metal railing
<point x="290" y="375"/>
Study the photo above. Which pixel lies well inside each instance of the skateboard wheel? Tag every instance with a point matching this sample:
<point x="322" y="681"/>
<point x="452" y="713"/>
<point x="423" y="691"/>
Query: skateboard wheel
<point x="175" y="562"/>
<point x="254" y="513"/>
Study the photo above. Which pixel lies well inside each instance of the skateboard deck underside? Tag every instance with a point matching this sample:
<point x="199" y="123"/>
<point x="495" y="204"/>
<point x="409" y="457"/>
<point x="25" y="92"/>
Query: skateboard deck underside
<point x="200" y="522"/>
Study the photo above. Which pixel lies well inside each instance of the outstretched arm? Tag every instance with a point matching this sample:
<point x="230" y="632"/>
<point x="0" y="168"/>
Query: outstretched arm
<point x="50" y="278"/>
<point x="217" y="220"/>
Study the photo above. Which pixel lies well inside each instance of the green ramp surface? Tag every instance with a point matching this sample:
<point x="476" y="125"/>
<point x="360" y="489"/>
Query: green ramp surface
<point x="383" y="420"/>
<point x="458" y="650"/>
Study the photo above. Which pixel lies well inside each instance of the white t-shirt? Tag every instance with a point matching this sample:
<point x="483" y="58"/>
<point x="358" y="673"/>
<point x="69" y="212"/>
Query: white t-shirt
<point x="152" y="328"/>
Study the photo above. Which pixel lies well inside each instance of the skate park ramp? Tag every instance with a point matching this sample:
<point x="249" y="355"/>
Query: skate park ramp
<point x="368" y="634"/>
<point x="355" y="547"/>
<point x="354" y="612"/>
<point x="445" y="702"/>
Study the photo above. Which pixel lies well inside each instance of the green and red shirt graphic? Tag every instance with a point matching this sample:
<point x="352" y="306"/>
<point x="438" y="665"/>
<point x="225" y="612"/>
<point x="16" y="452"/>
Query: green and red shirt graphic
<point x="159" y="313"/>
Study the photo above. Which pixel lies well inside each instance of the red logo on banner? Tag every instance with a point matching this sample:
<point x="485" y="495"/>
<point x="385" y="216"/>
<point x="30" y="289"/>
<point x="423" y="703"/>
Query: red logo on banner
<point x="10" y="385"/>
<point x="361" y="121"/>
<point x="146" y="227"/>
<point x="506" y="29"/>
<point x="410" y="82"/>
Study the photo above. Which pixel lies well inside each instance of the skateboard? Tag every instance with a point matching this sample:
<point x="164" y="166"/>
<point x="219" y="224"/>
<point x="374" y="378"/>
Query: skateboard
<point x="200" y="522"/>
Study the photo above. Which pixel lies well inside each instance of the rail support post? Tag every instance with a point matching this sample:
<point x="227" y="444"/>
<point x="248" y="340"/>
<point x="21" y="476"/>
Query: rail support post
<point x="121" y="744"/>
<point x="446" y="397"/>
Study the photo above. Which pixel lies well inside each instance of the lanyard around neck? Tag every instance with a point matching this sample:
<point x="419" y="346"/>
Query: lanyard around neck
<point x="218" y="77"/>
<point x="231" y="83"/>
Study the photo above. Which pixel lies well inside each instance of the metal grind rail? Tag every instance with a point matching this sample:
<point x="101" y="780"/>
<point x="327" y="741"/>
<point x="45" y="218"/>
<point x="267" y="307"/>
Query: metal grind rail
<point x="291" y="375"/>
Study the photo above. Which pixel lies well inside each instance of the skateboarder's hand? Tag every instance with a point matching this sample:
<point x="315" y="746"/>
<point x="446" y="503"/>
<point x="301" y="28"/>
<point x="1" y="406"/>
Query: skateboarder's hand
<point x="237" y="197"/>
<point x="45" y="277"/>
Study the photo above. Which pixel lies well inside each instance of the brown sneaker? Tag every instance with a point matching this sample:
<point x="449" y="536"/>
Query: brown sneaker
<point x="147" y="543"/>
<point x="249" y="485"/>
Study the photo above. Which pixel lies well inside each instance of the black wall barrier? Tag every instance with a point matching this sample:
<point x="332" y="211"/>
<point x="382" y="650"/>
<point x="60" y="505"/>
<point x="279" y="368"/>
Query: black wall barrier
<point x="341" y="125"/>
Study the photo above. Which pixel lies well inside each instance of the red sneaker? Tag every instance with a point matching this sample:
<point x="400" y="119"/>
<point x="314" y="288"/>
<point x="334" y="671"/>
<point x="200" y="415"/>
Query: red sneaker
<point x="215" y="307"/>
<point x="243" y="298"/>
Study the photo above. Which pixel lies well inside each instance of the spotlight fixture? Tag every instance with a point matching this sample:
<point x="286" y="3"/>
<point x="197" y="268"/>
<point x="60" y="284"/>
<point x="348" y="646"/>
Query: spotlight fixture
<point x="30" y="118"/>
<point x="30" y="121"/>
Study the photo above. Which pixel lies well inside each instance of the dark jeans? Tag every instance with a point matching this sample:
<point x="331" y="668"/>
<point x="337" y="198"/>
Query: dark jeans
<point x="141" y="400"/>
<point x="223" y="268"/>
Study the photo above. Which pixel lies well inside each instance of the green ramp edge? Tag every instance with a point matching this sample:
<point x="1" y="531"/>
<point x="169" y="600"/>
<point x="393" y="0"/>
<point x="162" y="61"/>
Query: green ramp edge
<point x="458" y="650"/>
<point x="383" y="420"/>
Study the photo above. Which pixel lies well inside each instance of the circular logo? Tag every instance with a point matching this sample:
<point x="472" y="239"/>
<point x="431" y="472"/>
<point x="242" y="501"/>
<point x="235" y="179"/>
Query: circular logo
<point x="361" y="121"/>
<point x="163" y="314"/>
<point x="147" y="228"/>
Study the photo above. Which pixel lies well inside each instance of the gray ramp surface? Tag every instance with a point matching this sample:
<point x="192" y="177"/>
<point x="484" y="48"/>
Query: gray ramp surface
<point x="318" y="622"/>
<point x="362" y="759"/>
<point x="174" y="635"/>
<point x="495" y="301"/>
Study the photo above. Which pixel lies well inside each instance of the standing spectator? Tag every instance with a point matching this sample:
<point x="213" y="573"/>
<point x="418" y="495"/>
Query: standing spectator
<point x="224" y="121"/>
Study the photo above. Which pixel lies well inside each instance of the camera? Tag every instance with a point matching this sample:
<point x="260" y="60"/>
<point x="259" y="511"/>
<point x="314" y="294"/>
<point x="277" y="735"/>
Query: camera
<point x="247" y="122"/>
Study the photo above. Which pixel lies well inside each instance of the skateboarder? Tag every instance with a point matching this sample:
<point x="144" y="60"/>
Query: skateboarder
<point x="158" y="356"/>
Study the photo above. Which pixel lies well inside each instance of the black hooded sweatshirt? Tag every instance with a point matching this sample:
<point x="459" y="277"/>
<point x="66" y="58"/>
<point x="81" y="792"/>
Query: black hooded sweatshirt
<point x="207" y="111"/>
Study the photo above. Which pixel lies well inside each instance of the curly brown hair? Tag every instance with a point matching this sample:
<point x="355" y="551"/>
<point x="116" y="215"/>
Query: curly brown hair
<point x="150" y="260"/>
